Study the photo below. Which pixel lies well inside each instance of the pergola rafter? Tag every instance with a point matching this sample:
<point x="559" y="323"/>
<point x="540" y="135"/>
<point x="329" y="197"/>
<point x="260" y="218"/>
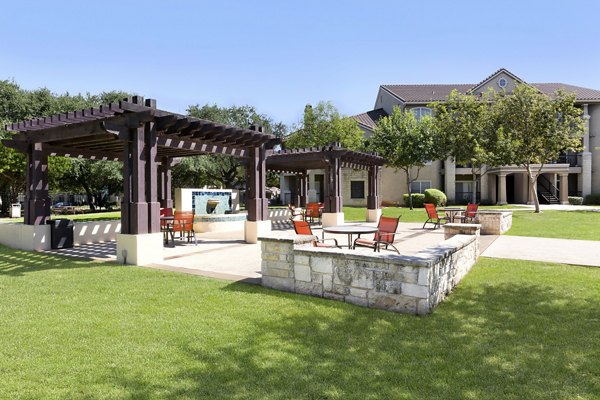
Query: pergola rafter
<point x="145" y="139"/>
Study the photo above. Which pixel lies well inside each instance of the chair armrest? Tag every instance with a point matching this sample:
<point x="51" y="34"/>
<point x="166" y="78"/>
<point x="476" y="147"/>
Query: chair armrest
<point x="323" y="240"/>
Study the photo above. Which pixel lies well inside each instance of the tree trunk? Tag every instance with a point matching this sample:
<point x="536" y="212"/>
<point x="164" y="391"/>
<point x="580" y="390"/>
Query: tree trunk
<point x="90" y="198"/>
<point x="533" y="189"/>
<point x="474" y="190"/>
<point x="410" y="200"/>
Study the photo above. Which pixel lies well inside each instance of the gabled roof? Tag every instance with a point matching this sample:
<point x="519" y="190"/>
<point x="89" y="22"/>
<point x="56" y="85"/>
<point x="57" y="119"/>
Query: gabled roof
<point x="581" y="93"/>
<point x="425" y="93"/>
<point x="495" y="74"/>
<point x="370" y="118"/>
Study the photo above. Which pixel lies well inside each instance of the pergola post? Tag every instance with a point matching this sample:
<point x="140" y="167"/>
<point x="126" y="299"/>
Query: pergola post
<point x="373" y="195"/>
<point x="140" y="241"/>
<point x="164" y="183"/>
<point x="333" y="214"/>
<point x="258" y="222"/>
<point x="37" y="202"/>
<point x="301" y="189"/>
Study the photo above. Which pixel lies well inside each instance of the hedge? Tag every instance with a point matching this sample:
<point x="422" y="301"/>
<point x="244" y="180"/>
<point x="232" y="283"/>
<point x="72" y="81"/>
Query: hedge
<point x="418" y="199"/>
<point x="436" y="197"/>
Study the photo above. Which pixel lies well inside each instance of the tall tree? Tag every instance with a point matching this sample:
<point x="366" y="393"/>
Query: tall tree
<point x="536" y="129"/>
<point x="322" y="125"/>
<point x="219" y="169"/>
<point x="17" y="104"/>
<point x="466" y="129"/>
<point x="406" y="143"/>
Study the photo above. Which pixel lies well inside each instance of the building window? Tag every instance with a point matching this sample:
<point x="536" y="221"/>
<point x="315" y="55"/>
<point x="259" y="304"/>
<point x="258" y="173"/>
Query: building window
<point x="419" y="186"/>
<point x="502" y="83"/>
<point x="419" y="112"/>
<point x="357" y="189"/>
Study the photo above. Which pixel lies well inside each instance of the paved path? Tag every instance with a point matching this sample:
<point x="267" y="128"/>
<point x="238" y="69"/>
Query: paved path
<point x="565" y="251"/>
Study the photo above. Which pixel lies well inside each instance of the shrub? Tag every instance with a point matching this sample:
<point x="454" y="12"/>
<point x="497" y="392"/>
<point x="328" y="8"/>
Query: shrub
<point x="418" y="199"/>
<point x="436" y="197"/>
<point x="575" y="201"/>
<point x="592" y="199"/>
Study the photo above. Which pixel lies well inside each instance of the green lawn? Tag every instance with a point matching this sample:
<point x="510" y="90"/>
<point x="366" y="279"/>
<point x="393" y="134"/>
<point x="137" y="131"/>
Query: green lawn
<point x="510" y="330"/>
<point x="406" y="214"/>
<point x="583" y="225"/>
<point x="99" y="216"/>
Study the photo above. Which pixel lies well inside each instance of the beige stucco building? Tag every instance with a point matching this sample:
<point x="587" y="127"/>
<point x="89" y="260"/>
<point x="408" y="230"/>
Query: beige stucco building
<point x="572" y="175"/>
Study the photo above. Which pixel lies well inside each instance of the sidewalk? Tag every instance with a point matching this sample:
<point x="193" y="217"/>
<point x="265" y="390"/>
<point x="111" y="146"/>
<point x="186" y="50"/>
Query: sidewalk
<point x="564" y="251"/>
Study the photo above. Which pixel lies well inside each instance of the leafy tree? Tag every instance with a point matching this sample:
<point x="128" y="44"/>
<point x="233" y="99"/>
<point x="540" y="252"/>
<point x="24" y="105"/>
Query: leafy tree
<point x="322" y="125"/>
<point x="17" y="104"/>
<point x="219" y="169"/>
<point x="536" y="129"/>
<point x="466" y="129"/>
<point x="406" y="143"/>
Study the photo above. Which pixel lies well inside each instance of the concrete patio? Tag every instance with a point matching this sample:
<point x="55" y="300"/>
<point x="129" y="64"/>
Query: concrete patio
<point x="226" y="255"/>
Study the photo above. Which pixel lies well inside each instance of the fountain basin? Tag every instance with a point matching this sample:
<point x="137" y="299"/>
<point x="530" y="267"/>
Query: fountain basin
<point x="219" y="222"/>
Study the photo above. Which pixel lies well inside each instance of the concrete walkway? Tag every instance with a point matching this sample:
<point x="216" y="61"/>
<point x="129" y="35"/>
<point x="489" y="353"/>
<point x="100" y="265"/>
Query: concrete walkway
<point x="564" y="251"/>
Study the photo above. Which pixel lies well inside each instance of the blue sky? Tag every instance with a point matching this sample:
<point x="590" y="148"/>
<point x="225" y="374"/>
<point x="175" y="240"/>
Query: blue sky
<point x="279" y="56"/>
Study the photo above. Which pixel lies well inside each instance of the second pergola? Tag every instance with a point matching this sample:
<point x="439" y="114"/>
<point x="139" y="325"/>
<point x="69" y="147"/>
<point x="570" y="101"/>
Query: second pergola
<point x="331" y="159"/>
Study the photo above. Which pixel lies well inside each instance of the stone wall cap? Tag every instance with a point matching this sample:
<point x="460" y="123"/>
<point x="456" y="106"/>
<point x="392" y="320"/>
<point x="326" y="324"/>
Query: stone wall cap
<point x="383" y="256"/>
<point x="494" y="212"/>
<point x="459" y="225"/>
<point x="287" y="237"/>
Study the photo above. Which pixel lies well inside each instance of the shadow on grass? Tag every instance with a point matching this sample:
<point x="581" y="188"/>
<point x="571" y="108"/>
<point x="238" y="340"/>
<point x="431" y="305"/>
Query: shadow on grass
<point x="487" y="341"/>
<point x="19" y="262"/>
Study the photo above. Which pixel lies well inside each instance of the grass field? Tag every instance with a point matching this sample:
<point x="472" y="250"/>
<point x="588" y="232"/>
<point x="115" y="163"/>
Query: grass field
<point x="99" y="216"/>
<point x="510" y="330"/>
<point x="582" y="225"/>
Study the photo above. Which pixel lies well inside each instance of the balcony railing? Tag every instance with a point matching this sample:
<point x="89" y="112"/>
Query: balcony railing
<point x="574" y="160"/>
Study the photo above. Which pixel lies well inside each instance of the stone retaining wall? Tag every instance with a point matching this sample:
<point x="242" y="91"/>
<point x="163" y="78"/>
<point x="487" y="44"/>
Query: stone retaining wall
<point x="494" y="222"/>
<point x="406" y="284"/>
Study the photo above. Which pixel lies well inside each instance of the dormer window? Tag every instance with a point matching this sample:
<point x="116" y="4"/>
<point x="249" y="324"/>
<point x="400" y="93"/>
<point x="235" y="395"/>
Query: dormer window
<point x="419" y="112"/>
<point x="502" y="82"/>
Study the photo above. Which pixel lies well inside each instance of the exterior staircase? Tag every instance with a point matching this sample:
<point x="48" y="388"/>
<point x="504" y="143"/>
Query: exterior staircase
<point x="546" y="190"/>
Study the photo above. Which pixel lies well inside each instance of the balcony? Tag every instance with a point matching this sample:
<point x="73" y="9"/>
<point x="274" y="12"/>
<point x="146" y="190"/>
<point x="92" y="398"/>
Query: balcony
<point x="574" y="160"/>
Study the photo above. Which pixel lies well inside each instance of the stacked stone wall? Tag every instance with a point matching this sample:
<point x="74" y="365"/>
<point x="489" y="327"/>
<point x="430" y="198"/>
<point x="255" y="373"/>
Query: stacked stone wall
<point x="405" y="284"/>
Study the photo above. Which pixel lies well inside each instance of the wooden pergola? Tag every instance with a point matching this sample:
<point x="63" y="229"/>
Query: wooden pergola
<point x="146" y="140"/>
<point x="332" y="159"/>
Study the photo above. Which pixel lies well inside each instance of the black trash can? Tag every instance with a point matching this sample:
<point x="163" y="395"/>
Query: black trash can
<point x="61" y="233"/>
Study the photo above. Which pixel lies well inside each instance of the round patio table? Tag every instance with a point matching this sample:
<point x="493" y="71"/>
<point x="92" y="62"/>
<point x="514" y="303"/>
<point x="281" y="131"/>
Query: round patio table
<point x="350" y="230"/>
<point x="451" y="212"/>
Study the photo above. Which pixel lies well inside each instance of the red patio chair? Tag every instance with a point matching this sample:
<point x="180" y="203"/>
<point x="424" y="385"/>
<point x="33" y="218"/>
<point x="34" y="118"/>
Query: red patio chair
<point x="384" y="237"/>
<point x="313" y="210"/>
<point x="303" y="228"/>
<point x="184" y="224"/>
<point x="470" y="213"/>
<point x="433" y="217"/>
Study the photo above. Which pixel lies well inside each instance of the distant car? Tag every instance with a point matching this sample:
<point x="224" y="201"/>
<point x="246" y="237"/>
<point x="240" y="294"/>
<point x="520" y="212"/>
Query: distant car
<point x="61" y="204"/>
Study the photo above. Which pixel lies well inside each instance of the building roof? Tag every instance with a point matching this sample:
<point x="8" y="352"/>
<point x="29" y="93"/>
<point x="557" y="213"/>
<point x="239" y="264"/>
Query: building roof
<point x="435" y="92"/>
<point x="424" y="93"/>
<point x="370" y="118"/>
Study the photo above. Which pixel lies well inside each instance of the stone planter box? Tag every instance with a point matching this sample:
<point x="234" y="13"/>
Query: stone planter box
<point x="494" y="222"/>
<point x="399" y="283"/>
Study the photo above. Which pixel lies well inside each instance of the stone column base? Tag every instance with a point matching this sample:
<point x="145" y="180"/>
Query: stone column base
<point x="332" y="219"/>
<point x="140" y="249"/>
<point x="254" y="229"/>
<point x="25" y="237"/>
<point x="373" y="215"/>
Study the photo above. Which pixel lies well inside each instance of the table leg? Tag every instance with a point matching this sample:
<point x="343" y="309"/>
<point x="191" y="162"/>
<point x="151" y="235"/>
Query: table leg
<point x="350" y="241"/>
